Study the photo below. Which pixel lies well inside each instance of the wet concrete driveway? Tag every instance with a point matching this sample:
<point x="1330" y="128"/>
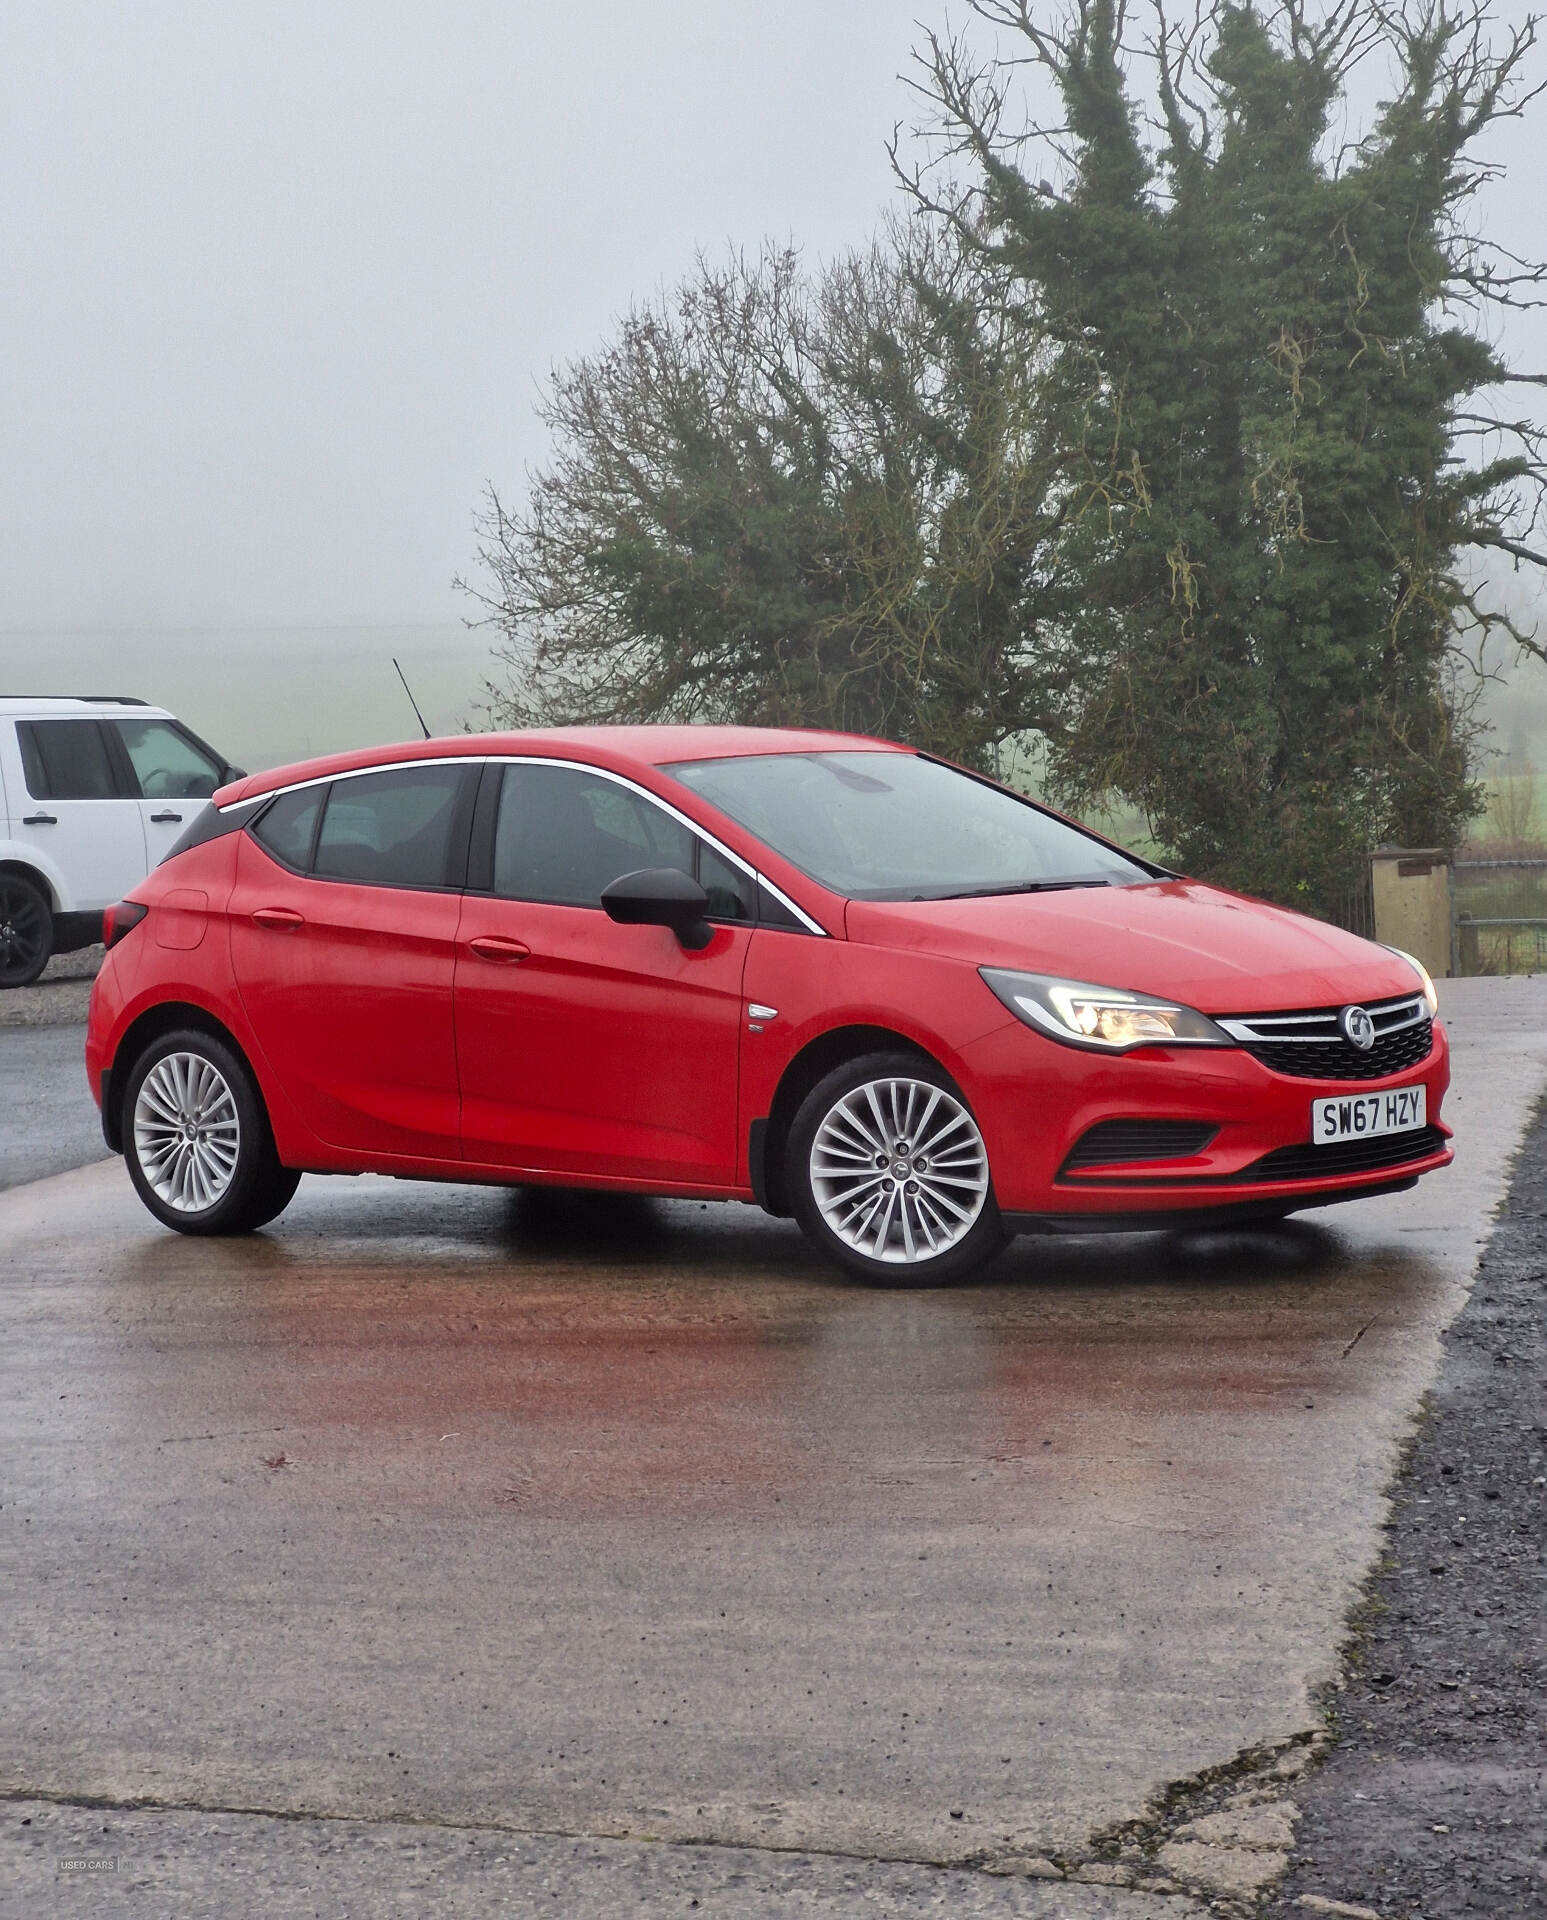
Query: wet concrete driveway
<point x="603" y="1518"/>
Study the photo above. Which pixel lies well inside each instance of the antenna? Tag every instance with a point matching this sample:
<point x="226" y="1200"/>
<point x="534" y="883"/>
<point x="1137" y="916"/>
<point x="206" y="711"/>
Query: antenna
<point x="411" y="700"/>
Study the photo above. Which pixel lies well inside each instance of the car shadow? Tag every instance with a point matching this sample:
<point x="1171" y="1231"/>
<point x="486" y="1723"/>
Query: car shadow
<point x="569" y="1229"/>
<point x="638" y="1231"/>
<point x="1269" y="1253"/>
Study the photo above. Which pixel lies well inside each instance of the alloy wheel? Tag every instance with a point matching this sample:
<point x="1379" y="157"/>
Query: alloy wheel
<point x="187" y="1134"/>
<point x="899" y="1170"/>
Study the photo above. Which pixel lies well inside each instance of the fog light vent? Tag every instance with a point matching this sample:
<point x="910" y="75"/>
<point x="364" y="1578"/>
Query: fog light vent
<point x="1344" y="1156"/>
<point x="1113" y="1142"/>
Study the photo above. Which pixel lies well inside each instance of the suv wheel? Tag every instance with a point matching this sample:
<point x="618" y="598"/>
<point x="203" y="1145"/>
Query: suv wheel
<point x="197" y="1140"/>
<point x="26" y="931"/>
<point x="888" y="1174"/>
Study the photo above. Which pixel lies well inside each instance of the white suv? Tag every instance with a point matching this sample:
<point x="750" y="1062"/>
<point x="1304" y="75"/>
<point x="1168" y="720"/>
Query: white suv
<point x="93" y="793"/>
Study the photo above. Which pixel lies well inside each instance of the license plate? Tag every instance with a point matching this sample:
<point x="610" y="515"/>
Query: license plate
<point x="1364" y="1116"/>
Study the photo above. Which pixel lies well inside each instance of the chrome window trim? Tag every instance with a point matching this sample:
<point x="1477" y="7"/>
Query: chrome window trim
<point x="1268" y="1028"/>
<point x="355" y="773"/>
<point x="547" y="760"/>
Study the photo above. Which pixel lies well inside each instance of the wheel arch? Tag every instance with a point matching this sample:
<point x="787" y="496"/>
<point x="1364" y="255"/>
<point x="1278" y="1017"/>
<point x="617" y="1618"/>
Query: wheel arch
<point x="815" y="1060"/>
<point x="165" y="1017"/>
<point x="26" y="870"/>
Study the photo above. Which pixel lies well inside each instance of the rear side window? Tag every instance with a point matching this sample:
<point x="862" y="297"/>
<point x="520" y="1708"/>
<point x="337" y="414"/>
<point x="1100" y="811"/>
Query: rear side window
<point x="66" y="760"/>
<point x="289" y="826"/>
<point x="391" y="829"/>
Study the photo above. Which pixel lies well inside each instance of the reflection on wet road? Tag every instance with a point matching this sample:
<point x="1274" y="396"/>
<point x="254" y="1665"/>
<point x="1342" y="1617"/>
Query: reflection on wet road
<point x="609" y="1517"/>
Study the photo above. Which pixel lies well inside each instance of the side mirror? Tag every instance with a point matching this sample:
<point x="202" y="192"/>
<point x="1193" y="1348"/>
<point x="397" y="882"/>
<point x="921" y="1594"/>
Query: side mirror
<point x="661" y="897"/>
<point x="233" y="773"/>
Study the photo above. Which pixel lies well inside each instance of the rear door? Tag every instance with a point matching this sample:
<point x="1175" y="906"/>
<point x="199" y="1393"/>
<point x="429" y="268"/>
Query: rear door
<point x="343" y="937"/>
<point x="172" y="773"/>
<point x="78" y="810"/>
<point x="585" y="1047"/>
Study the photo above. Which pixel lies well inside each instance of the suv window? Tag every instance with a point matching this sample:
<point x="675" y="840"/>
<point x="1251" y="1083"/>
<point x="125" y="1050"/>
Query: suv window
<point x="166" y="763"/>
<point x="66" y="760"/>
<point x="288" y="827"/>
<point x="562" y="835"/>
<point x="390" y="829"/>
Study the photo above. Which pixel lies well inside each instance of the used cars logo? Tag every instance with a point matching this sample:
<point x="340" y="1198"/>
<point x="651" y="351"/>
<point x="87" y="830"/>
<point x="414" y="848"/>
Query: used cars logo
<point x="1358" y="1028"/>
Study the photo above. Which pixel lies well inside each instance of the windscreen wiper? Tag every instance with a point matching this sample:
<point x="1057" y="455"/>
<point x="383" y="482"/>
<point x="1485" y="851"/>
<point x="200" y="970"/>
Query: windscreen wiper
<point x="1018" y="886"/>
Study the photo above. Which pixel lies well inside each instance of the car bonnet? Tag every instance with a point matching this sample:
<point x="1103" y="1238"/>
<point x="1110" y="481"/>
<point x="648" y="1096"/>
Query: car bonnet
<point x="1220" y="952"/>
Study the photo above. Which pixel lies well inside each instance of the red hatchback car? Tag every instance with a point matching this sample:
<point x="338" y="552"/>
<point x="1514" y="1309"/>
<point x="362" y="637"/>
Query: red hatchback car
<point x="823" y="973"/>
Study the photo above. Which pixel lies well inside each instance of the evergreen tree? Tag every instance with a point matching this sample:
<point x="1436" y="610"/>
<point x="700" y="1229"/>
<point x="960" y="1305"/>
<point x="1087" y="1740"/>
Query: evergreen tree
<point x="1272" y="343"/>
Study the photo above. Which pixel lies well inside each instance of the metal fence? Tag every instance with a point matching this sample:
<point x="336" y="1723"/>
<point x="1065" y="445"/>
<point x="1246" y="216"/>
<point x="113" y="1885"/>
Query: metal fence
<point x="1355" y="910"/>
<point x="1499" y="915"/>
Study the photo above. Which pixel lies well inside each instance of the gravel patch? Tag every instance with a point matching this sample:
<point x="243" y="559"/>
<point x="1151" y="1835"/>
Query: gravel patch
<point x="59" y="998"/>
<point x="1433" y="1802"/>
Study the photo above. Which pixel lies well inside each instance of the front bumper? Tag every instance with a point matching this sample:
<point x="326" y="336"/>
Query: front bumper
<point x="1035" y="1099"/>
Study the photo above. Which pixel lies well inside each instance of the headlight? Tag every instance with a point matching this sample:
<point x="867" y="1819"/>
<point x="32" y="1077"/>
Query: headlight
<point x="1104" y="1017"/>
<point x="1422" y="971"/>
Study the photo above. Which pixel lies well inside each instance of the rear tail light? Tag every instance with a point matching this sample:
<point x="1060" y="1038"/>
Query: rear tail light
<point x="121" y="918"/>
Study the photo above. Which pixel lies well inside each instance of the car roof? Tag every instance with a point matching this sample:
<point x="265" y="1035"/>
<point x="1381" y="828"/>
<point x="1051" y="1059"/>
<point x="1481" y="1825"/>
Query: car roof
<point x="613" y="747"/>
<point x="21" y="706"/>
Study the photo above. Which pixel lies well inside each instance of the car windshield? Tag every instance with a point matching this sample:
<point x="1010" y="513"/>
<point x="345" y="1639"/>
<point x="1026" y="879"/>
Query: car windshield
<point x="878" y="825"/>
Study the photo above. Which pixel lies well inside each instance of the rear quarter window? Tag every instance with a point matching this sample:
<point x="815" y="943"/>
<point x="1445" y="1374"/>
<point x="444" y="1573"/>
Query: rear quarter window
<point x="288" y="827"/>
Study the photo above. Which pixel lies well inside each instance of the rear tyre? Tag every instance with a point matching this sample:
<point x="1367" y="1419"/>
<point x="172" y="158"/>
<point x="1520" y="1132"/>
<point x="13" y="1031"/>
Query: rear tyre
<point x="197" y="1139"/>
<point x="888" y="1174"/>
<point x="26" y="930"/>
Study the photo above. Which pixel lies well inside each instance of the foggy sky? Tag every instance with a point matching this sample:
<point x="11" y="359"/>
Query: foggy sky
<point x="281" y="281"/>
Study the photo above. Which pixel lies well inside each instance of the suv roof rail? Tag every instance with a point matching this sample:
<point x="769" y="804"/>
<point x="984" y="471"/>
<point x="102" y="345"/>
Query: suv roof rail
<point x="101" y="699"/>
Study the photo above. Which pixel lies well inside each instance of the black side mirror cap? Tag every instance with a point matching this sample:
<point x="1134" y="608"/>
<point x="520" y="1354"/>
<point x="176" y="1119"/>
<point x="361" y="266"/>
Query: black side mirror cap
<point x="661" y="897"/>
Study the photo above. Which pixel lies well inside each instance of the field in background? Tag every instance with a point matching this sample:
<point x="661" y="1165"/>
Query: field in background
<point x="267" y="695"/>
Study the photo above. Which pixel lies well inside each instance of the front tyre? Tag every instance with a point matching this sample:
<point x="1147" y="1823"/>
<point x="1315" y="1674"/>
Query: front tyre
<point x="888" y="1174"/>
<point x="197" y="1140"/>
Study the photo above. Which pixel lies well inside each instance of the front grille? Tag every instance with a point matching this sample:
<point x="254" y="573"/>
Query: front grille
<point x="1114" y="1141"/>
<point x="1346" y="1156"/>
<point x="1311" y="1046"/>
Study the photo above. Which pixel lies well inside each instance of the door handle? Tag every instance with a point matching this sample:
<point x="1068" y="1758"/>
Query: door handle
<point x="492" y="946"/>
<point x="279" y="919"/>
<point x="40" y="820"/>
<point x="161" y="819"/>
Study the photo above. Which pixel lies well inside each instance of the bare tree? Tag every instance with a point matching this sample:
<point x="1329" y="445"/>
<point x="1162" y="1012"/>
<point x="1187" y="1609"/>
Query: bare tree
<point x="832" y="499"/>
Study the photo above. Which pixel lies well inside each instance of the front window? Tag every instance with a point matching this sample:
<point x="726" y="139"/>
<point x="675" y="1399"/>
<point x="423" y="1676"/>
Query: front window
<point x="562" y="835"/>
<point x="166" y="763"/>
<point x="876" y="825"/>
